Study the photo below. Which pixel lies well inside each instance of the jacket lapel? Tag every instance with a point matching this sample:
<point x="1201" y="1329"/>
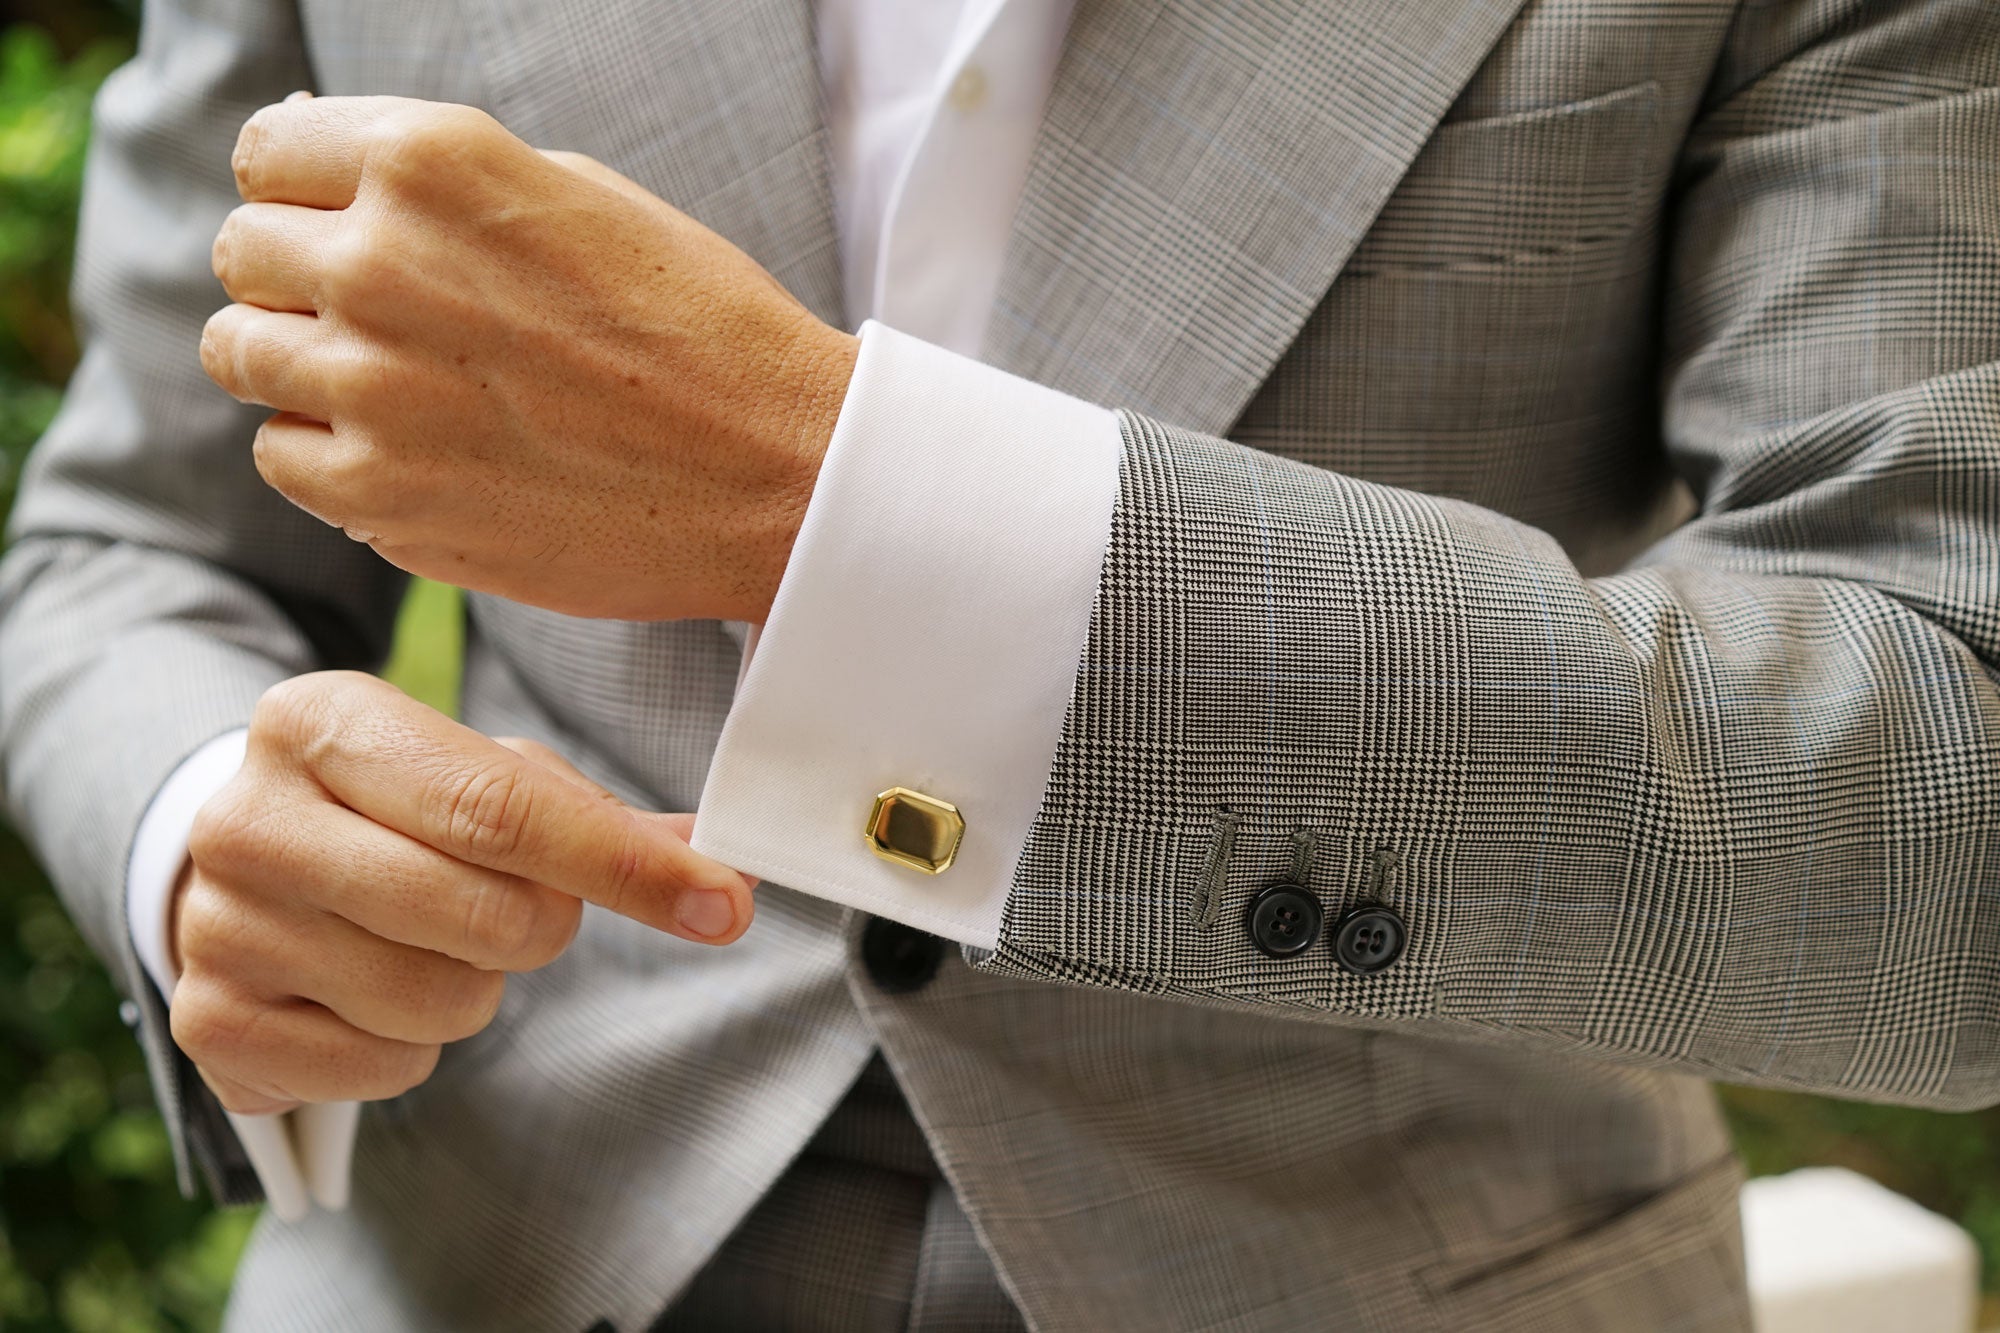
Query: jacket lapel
<point x="1203" y="172"/>
<point x="714" y="105"/>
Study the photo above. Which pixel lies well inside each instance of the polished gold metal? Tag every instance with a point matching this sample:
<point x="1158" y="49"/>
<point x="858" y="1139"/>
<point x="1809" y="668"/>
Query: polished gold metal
<point x="915" y="830"/>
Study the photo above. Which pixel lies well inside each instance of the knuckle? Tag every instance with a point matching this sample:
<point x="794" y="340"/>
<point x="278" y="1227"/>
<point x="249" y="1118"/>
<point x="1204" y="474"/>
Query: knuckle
<point x="199" y="925"/>
<point x="346" y="477"/>
<point x="220" y="933"/>
<point x="275" y="462"/>
<point x="563" y="916"/>
<point x="223" y="252"/>
<point x="404" y="159"/>
<point x="251" y="363"/>
<point x="425" y="149"/>
<point x="497" y="929"/>
<point x="292" y="711"/>
<point x="516" y="927"/>
<point x="628" y="872"/>
<point x="472" y="998"/>
<point x="337" y="481"/>
<point x="344" y="1065"/>
<point x="345" y="265"/>
<point x="339" y="701"/>
<point x="210" y="1023"/>
<point x="226" y="835"/>
<point x="583" y="164"/>
<point x="486" y="812"/>
<point x="218" y="359"/>
<point x="417" y="147"/>
<point x="364" y="269"/>
<point x="188" y="1019"/>
<point x="247" y="158"/>
<point x="216" y="826"/>
<point x="467" y="125"/>
<point x="303" y="719"/>
<point x="403" y="1069"/>
<point x="346" y="695"/>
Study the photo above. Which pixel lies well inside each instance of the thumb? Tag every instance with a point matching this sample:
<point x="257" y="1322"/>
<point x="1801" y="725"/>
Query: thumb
<point x="680" y="825"/>
<point x="683" y="827"/>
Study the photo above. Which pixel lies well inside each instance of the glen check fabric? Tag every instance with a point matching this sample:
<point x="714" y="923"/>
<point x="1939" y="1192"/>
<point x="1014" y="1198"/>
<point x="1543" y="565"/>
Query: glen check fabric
<point x="1428" y="317"/>
<point x="860" y="1235"/>
<point x="1731" y="809"/>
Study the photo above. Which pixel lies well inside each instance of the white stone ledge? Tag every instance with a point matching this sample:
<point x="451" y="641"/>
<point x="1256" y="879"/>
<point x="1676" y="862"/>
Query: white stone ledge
<point x="1831" y="1251"/>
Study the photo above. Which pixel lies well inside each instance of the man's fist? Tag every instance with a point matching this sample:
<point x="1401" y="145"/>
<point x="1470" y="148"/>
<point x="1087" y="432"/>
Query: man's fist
<point x="514" y="371"/>
<point x="358" y="892"/>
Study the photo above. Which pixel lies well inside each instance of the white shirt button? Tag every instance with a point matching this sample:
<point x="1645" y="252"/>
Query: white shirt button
<point x="968" y="90"/>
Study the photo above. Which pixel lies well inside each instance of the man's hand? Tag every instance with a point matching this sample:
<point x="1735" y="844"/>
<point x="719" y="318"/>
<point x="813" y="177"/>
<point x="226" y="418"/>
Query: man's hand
<point x="359" y="891"/>
<point x="514" y="371"/>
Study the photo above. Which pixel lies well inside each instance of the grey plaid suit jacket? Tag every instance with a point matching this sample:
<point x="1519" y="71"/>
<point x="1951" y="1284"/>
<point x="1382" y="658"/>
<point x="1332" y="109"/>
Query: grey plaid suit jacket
<point x="1562" y="472"/>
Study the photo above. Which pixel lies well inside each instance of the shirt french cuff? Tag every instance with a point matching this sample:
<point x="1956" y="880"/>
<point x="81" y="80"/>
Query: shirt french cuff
<point x="926" y="635"/>
<point x="298" y="1157"/>
<point x="160" y="848"/>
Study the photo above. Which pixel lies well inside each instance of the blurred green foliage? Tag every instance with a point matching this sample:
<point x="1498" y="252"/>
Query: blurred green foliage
<point x="93" y="1236"/>
<point x="44" y="115"/>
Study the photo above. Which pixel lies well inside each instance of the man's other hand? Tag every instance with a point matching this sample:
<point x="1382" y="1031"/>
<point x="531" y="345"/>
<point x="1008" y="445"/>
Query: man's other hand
<point x="515" y="371"/>
<point x="357" y="894"/>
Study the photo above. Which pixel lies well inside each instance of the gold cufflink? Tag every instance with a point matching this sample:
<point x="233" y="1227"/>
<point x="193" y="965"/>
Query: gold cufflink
<point x="915" y="830"/>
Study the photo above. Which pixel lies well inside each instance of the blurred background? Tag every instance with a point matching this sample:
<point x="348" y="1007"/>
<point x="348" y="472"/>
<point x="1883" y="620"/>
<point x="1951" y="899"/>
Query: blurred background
<point x="93" y="1236"/>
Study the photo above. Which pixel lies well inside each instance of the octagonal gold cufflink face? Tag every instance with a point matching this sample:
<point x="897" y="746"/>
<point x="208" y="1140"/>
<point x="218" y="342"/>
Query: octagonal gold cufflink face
<point x="915" y="830"/>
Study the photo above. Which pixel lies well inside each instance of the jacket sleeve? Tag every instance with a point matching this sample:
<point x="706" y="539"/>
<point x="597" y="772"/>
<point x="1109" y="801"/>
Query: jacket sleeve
<point x="1734" y="809"/>
<point x="156" y="587"/>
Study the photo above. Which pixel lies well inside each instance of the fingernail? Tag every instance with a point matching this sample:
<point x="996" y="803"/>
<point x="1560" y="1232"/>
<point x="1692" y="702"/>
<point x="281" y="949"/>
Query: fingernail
<point x="708" y="913"/>
<point x="300" y="96"/>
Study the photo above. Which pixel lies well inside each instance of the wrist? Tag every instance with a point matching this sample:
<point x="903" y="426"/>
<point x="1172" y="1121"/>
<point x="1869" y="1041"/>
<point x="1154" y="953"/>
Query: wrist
<point x="806" y="400"/>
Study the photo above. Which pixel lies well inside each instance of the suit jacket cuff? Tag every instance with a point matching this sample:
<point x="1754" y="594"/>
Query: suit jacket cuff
<point x="926" y="635"/>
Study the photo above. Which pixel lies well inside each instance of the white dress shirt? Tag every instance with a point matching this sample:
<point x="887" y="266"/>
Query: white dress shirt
<point x="932" y="114"/>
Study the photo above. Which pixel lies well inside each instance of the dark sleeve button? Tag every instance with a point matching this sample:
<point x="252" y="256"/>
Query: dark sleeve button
<point x="1368" y="938"/>
<point x="1283" y="920"/>
<point x="899" y="958"/>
